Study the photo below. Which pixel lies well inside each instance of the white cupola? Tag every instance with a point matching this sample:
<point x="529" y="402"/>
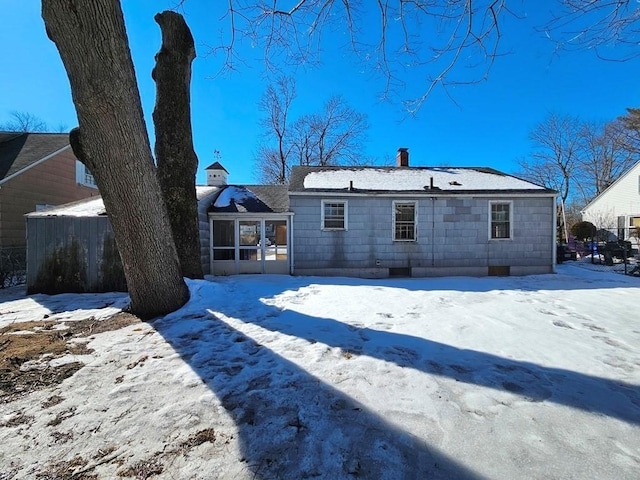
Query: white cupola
<point x="216" y="175"/>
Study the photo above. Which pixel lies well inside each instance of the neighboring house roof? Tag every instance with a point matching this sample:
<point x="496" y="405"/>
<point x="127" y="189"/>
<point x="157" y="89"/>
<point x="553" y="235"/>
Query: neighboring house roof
<point x="94" y="206"/>
<point x="445" y="180"/>
<point x="216" y="166"/>
<point x="20" y="151"/>
<point x="251" y="199"/>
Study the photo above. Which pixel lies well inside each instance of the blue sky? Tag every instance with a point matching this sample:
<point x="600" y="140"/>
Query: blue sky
<point x="487" y="125"/>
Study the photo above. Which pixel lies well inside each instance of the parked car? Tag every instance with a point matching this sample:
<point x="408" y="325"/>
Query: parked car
<point x="564" y="252"/>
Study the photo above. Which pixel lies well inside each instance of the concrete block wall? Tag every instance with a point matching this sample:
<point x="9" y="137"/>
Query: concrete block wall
<point x="452" y="233"/>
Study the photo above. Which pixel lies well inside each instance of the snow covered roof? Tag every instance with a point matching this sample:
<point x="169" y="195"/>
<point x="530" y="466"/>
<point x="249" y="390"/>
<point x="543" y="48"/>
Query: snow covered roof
<point x="414" y="179"/>
<point x="252" y="199"/>
<point x="94" y="206"/>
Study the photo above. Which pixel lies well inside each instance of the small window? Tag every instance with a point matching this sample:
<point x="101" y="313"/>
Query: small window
<point x="84" y="176"/>
<point x="334" y="215"/>
<point x="43" y="206"/>
<point x="500" y="220"/>
<point x="404" y="221"/>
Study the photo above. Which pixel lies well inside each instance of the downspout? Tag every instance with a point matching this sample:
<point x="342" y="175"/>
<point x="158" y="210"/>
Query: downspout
<point x="433" y="230"/>
<point x="263" y="247"/>
<point x="236" y="245"/>
<point x="554" y="236"/>
<point x="210" y="246"/>
<point x="290" y="249"/>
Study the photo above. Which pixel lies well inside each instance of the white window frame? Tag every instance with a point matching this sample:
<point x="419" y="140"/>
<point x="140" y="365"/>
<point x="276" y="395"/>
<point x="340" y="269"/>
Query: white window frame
<point x="501" y="202"/>
<point x="345" y="206"/>
<point x="415" y="220"/>
<point x="84" y="176"/>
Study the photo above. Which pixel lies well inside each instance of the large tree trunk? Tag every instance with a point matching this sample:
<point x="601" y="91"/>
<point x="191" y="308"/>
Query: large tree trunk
<point x="176" y="159"/>
<point x="112" y="140"/>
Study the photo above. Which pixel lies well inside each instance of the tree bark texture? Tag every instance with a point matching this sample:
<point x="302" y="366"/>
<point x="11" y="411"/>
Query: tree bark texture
<point x="176" y="159"/>
<point x="112" y="141"/>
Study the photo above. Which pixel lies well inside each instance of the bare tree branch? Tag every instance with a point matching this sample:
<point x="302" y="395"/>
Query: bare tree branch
<point x="447" y="42"/>
<point x="24" y="122"/>
<point x="609" y="27"/>
<point x="332" y="137"/>
<point x="432" y="35"/>
<point x="579" y="159"/>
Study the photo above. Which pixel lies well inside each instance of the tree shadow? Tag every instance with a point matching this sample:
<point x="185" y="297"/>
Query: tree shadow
<point x="291" y="424"/>
<point x="532" y="382"/>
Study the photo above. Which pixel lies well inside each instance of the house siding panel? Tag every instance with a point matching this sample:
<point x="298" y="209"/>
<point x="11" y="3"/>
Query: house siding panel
<point x="451" y="233"/>
<point x="622" y="198"/>
<point x="52" y="182"/>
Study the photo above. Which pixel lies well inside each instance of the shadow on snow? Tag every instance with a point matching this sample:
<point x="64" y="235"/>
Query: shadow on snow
<point x="293" y="425"/>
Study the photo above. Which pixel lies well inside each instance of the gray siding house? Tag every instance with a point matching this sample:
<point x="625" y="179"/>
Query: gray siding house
<point x="352" y="221"/>
<point x="419" y="221"/>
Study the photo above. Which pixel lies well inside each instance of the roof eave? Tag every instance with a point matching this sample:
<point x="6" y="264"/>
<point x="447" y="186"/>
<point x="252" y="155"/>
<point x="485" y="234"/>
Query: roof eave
<point x="34" y="164"/>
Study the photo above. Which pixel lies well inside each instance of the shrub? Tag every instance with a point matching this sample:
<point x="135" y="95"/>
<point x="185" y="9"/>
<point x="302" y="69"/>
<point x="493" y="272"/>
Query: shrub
<point x="62" y="272"/>
<point x="111" y="271"/>
<point x="583" y="230"/>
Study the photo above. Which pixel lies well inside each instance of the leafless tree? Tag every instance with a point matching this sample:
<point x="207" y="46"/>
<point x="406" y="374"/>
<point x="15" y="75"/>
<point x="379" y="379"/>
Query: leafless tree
<point x="271" y="169"/>
<point x="578" y="159"/>
<point x="334" y="136"/>
<point x="331" y="137"/>
<point x="605" y="155"/>
<point x="24" y="122"/>
<point x="276" y="104"/>
<point x="556" y="153"/>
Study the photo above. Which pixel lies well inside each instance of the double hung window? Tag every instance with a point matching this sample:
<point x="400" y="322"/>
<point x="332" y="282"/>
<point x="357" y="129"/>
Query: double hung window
<point x="500" y="224"/>
<point x="334" y="215"/>
<point x="404" y="221"/>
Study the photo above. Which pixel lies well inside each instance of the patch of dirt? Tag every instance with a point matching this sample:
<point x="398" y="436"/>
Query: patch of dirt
<point x="31" y="341"/>
<point x="198" y="438"/>
<point x="17" y="420"/>
<point x="66" y="470"/>
<point x="144" y="469"/>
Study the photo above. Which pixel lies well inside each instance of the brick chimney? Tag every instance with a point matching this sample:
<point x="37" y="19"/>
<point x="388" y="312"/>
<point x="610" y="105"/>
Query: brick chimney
<point x="403" y="157"/>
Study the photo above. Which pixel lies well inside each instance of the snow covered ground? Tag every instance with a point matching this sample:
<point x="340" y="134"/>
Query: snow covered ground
<point x="308" y="377"/>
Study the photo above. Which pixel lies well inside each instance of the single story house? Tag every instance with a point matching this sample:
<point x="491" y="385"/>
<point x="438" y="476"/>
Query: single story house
<point x="353" y="221"/>
<point x="419" y="221"/>
<point x="617" y="208"/>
